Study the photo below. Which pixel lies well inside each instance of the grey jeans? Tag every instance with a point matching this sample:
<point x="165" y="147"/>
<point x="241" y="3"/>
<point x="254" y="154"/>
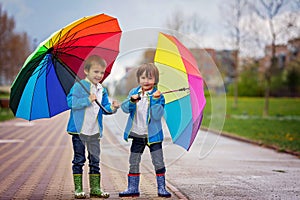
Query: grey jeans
<point x="137" y="148"/>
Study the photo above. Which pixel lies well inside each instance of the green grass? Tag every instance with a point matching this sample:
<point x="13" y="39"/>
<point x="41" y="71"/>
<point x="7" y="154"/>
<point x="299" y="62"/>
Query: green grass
<point x="281" y="129"/>
<point x="5" y="114"/>
<point x="254" y="106"/>
<point x="4" y="94"/>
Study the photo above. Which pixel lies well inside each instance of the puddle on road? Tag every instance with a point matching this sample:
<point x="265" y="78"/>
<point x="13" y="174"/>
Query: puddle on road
<point x="11" y="141"/>
<point x="24" y="124"/>
<point x="18" y="124"/>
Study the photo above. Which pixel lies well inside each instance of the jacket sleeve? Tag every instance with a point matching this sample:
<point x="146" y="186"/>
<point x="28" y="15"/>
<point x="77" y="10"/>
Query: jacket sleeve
<point x="157" y="107"/>
<point x="76" y="98"/>
<point x="105" y="101"/>
<point x="128" y="106"/>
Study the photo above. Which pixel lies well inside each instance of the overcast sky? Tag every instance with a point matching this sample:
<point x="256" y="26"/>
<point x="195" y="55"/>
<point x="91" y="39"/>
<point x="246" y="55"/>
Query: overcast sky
<point x="138" y="19"/>
<point x="40" y="18"/>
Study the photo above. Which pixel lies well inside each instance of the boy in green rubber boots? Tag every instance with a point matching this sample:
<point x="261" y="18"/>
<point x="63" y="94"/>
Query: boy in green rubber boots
<point x="85" y="125"/>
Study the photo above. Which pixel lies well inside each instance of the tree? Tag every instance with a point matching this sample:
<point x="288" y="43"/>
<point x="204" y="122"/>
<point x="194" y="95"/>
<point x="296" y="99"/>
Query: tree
<point x="232" y="13"/>
<point x="293" y="76"/>
<point x="191" y="25"/>
<point x="269" y="11"/>
<point x="14" y="48"/>
<point x="249" y="82"/>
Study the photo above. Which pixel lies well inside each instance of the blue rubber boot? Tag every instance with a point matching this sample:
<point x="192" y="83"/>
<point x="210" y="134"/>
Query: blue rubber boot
<point x="161" y="186"/>
<point x="133" y="186"/>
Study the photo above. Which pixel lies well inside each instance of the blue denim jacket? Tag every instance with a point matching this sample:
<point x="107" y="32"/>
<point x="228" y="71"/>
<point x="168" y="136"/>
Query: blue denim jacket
<point x="78" y="100"/>
<point x="154" y="115"/>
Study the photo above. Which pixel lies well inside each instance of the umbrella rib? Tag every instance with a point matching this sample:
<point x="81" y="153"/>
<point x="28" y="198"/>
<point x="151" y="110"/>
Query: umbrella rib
<point x="28" y="72"/>
<point x="61" y="42"/>
<point x="68" y="36"/>
<point x="49" y="111"/>
<point x="71" y="41"/>
<point x="56" y="39"/>
<point x="70" y="49"/>
<point x="72" y="55"/>
<point x="40" y="72"/>
<point x="183" y="58"/>
<point x="72" y="35"/>
<point x="168" y="65"/>
<point x="33" y="68"/>
<point x="113" y="19"/>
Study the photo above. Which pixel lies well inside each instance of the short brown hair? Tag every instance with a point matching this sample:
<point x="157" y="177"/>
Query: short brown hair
<point x="94" y="59"/>
<point x="150" y="69"/>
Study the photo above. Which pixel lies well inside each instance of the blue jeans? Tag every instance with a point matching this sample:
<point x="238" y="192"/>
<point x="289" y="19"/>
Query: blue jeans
<point x="92" y="143"/>
<point x="137" y="148"/>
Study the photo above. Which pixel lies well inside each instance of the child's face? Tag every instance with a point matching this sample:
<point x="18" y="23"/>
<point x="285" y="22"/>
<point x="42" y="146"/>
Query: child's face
<point x="146" y="82"/>
<point x="95" y="74"/>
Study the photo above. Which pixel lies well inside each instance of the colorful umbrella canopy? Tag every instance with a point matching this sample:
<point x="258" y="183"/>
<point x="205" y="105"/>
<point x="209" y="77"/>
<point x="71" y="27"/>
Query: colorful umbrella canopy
<point x="179" y="71"/>
<point x="40" y="89"/>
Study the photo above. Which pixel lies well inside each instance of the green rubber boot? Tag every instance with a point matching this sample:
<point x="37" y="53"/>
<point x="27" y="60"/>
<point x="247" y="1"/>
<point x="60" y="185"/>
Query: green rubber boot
<point x="79" y="193"/>
<point x="95" y="187"/>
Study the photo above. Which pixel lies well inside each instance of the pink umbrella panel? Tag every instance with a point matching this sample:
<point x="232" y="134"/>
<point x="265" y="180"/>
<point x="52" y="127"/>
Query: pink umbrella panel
<point x="178" y="69"/>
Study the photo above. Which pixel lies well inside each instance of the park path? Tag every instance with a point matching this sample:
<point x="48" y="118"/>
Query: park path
<point x="36" y="159"/>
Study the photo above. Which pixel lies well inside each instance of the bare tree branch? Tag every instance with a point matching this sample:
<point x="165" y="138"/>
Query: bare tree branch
<point x="14" y="47"/>
<point x="232" y="14"/>
<point x="187" y="24"/>
<point x="268" y="10"/>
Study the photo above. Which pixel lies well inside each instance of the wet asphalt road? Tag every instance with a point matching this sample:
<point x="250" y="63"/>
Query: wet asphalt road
<point x="218" y="167"/>
<point x="35" y="164"/>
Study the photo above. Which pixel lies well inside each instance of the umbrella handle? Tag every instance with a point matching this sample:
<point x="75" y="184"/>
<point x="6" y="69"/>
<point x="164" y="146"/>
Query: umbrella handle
<point x="171" y="91"/>
<point x="104" y="109"/>
<point x="166" y="92"/>
<point x="97" y="102"/>
<point x="178" y="90"/>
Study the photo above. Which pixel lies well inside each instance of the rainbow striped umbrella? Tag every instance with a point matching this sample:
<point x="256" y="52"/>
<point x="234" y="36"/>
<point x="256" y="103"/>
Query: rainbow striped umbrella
<point x="179" y="72"/>
<point x="44" y="81"/>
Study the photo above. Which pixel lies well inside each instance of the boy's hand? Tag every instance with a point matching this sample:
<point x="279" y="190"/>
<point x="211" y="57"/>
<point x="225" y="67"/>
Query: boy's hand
<point x="92" y="97"/>
<point x="135" y="98"/>
<point x="115" y="104"/>
<point x="156" y="94"/>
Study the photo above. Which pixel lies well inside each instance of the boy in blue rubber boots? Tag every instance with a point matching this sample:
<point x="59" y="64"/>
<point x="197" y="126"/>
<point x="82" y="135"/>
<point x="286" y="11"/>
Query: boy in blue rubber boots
<point x="145" y="106"/>
<point x="85" y="125"/>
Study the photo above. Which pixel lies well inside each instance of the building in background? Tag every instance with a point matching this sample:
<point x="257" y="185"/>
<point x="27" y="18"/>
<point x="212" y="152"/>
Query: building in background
<point x="284" y="53"/>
